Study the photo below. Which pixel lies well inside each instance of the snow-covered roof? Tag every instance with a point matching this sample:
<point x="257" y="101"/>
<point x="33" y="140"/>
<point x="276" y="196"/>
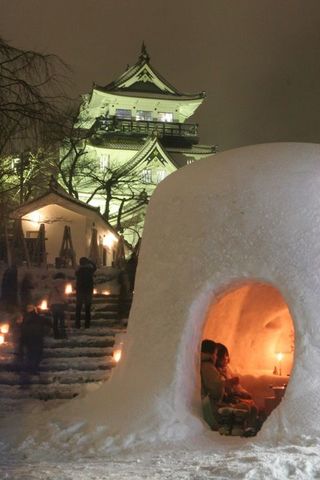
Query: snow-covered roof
<point x="58" y="196"/>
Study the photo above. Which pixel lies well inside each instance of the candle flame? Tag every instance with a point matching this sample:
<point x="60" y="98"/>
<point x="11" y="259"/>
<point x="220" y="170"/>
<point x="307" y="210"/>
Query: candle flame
<point x="117" y="355"/>
<point x="68" y="289"/>
<point x="4" y="328"/>
<point x="1" y="339"/>
<point x="43" y="305"/>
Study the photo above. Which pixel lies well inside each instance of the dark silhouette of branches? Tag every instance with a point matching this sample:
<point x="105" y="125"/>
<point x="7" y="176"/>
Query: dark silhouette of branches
<point x="31" y="99"/>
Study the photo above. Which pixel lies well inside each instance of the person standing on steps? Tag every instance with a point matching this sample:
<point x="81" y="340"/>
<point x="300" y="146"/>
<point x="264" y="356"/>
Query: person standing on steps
<point x="84" y="290"/>
<point x="58" y="303"/>
<point x="27" y="290"/>
<point x="9" y="287"/>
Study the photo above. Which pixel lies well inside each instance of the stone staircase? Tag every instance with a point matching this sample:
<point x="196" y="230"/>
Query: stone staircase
<point x="70" y="366"/>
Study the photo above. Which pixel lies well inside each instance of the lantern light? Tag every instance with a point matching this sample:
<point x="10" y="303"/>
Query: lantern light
<point x="109" y="240"/>
<point x="95" y="291"/>
<point x="4" y="328"/>
<point x="2" y="339"/>
<point x="279" y="356"/>
<point x="105" y="292"/>
<point x="35" y="217"/>
<point x="68" y="289"/>
<point x="44" y="305"/>
<point x="117" y="355"/>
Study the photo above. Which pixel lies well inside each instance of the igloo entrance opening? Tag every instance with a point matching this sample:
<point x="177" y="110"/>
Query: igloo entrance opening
<point x="254" y="322"/>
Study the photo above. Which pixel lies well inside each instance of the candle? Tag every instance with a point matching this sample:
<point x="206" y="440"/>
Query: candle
<point x="280" y="358"/>
<point x="4" y="328"/>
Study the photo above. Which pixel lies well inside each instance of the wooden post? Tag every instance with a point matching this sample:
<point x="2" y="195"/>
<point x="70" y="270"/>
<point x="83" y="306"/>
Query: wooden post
<point x="67" y="252"/>
<point x="40" y="254"/>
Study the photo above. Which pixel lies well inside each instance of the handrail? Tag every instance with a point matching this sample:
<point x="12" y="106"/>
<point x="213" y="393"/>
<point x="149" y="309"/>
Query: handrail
<point x="162" y="129"/>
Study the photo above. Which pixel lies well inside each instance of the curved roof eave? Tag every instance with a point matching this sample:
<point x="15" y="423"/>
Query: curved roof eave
<point x="164" y="96"/>
<point x="28" y="206"/>
<point x="168" y="88"/>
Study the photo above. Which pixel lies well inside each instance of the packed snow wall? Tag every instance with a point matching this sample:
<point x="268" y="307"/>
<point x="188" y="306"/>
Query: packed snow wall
<point x="251" y="214"/>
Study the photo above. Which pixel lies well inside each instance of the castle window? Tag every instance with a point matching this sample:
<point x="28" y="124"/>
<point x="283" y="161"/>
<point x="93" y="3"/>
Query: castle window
<point x="165" y="117"/>
<point x="146" y="176"/>
<point x="123" y="113"/>
<point x="104" y="161"/>
<point x="161" y="175"/>
<point x="145" y="115"/>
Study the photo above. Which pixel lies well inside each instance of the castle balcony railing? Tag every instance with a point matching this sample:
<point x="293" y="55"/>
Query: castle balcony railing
<point x="145" y="128"/>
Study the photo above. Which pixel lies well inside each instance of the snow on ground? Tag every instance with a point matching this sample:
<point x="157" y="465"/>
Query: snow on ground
<point x="181" y="462"/>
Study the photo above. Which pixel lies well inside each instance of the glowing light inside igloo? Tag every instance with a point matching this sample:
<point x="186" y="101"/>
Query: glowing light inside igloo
<point x="254" y="322"/>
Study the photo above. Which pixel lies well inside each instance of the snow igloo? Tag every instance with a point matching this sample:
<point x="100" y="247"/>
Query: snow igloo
<point x="230" y="252"/>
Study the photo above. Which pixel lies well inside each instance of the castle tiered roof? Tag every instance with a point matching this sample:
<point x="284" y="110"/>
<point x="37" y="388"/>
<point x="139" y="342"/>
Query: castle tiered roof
<point x="142" y="78"/>
<point x="142" y="88"/>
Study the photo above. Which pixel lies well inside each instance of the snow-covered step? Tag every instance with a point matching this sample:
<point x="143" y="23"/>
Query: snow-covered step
<point x="81" y="340"/>
<point x="76" y="364"/>
<point x="30" y="405"/>
<point x="52" y="391"/>
<point x="63" y="377"/>
<point x="96" y="323"/>
<point x="82" y="363"/>
<point x="77" y="352"/>
<point x="97" y="300"/>
<point x="96" y="314"/>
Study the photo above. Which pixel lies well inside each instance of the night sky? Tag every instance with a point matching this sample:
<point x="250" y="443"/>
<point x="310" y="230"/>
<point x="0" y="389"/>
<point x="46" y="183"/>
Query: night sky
<point x="257" y="60"/>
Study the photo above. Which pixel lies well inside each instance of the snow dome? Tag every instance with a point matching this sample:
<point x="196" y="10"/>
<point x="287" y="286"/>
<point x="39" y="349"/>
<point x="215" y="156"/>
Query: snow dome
<point x="231" y="252"/>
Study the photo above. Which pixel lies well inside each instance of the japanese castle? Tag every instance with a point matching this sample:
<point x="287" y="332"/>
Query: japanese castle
<point x="137" y="132"/>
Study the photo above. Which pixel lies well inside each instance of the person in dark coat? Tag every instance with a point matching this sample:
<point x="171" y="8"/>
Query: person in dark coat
<point x="9" y="286"/>
<point x="84" y="290"/>
<point x="131" y="268"/>
<point x="33" y="330"/>
<point x="27" y="287"/>
<point x="58" y="303"/>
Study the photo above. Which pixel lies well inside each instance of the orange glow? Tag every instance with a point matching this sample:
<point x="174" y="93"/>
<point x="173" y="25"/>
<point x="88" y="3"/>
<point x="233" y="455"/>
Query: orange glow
<point x="1" y="339"/>
<point x="117" y="355"/>
<point x="68" y="289"/>
<point x="95" y="291"/>
<point x="271" y="335"/>
<point x="105" y="292"/>
<point x="43" y="305"/>
<point x="4" y="328"/>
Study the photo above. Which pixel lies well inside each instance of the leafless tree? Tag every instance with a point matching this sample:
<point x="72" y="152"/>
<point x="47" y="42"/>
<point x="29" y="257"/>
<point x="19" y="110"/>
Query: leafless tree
<point x="32" y="118"/>
<point x="79" y="173"/>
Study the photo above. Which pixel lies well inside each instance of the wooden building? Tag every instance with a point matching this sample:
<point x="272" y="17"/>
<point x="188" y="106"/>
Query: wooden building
<point x="59" y="230"/>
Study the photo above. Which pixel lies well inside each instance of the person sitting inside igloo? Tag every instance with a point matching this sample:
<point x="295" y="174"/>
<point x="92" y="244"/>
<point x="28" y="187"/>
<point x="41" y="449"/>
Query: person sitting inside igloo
<point x="233" y="389"/>
<point x="229" y="418"/>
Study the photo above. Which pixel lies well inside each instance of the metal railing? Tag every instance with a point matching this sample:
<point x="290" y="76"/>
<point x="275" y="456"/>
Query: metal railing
<point x="143" y="127"/>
